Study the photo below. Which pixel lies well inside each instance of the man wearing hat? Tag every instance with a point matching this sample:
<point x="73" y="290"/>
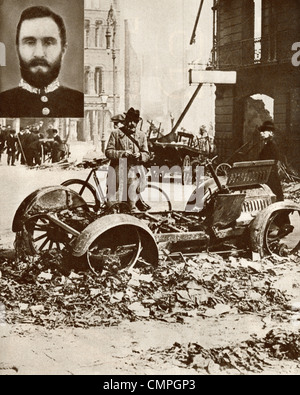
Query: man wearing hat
<point x="270" y="151"/>
<point x="118" y="120"/>
<point x="127" y="150"/>
<point x="11" y="144"/>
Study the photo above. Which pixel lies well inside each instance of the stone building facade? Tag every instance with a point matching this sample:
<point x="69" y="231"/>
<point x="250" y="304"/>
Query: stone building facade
<point x="98" y="74"/>
<point x="255" y="38"/>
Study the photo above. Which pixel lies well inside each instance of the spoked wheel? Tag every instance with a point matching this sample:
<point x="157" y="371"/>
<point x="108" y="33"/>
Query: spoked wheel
<point x="187" y="174"/>
<point x="44" y="234"/>
<point x="116" y="249"/>
<point x="282" y="233"/>
<point x="154" y="199"/>
<point x="86" y="190"/>
<point x="222" y="169"/>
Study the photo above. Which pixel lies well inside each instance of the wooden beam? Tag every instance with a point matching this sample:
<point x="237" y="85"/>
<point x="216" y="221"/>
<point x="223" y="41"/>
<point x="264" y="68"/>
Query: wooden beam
<point x="193" y="38"/>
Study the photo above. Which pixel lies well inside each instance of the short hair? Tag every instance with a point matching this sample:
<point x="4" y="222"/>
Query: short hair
<point x="42" y="12"/>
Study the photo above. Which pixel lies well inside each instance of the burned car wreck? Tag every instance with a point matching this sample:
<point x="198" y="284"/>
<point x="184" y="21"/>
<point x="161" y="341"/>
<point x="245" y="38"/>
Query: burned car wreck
<point x="238" y="212"/>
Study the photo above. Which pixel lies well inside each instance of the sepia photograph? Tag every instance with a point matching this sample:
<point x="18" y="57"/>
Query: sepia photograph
<point x="150" y="176"/>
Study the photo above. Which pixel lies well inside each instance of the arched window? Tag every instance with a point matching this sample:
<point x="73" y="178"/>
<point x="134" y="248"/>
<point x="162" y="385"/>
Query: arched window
<point x="98" y="80"/>
<point x="98" y="33"/>
<point x="86" y="33"/>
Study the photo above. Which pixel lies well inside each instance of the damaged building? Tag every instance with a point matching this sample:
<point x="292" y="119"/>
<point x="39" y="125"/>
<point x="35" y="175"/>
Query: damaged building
<point x="255" y="38"/>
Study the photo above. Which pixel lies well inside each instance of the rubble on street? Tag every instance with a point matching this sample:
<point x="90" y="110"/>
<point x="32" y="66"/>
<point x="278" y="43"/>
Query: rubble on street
<point x="204" y="286"/>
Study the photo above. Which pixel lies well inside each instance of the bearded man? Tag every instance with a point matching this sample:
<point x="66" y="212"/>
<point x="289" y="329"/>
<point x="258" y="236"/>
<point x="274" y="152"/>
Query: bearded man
<point x="41" y="42"/>
<point x="127" y="149"/>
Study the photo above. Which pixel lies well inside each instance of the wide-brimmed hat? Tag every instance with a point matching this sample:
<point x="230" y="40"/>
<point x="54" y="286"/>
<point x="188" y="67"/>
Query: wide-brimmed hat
<point x="118" y="118"/>
<point x="133" y="115"/>
<point x="267" y="126"/>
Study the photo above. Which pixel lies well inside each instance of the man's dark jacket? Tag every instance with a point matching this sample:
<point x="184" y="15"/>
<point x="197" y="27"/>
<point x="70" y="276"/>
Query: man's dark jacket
<point x="61" y="103"/>
<point x="270" y="151"/>
<point x="11" y="143"/>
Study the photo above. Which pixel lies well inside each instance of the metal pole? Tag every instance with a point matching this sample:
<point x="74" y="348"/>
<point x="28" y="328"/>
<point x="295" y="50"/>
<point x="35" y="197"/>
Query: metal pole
<point x="20" y="144"/>
<point x="103" y="131"/>
<point x="114" y="80"/>
<point x="193" y="38"/>
<point x="112" y="23"/>
<point x="170" y="137"/>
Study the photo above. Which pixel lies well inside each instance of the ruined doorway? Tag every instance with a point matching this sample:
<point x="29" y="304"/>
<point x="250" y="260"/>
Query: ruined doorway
<point x="258" y="108"/>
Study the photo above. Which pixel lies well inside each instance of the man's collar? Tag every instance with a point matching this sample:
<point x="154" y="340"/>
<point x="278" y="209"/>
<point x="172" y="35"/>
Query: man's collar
<point x="50" y="88"/>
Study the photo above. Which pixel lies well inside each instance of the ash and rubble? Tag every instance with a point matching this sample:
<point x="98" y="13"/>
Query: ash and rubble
<point x="250" y="356"/>
<point x="46" y="291"/>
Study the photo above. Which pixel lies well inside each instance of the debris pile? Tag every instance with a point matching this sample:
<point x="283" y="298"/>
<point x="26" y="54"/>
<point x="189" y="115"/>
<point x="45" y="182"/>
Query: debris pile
<point x="249" y="356"/>
<point x="292" y="192"/>
<point x="47" y="292"/>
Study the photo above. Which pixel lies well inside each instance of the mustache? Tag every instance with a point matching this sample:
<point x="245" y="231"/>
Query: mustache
<point x="38" y="62"/>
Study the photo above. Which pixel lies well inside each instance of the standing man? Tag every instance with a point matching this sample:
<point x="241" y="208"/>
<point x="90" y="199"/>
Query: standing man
<point x="33" y="146"/>
<point x="58" y="148"/>
<point x="41" y="42"/>
<point x="20" y="145"/>
<point x="25" y="141"/>
<point x="2" y="140"/>
<point x="127" y="150"/>
<point x="11" y="144"/>
<point x="270" y="151"/>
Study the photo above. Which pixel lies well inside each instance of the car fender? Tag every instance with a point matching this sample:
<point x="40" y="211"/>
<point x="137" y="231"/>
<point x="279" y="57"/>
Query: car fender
<point x="258" y="225"/>
<point x="44" y="200"/>
<point x="108" y="222"/>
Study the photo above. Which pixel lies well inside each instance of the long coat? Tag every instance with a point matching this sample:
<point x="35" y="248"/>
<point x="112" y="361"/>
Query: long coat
<point x="11" y="144"/>
<point x="126" y="176"/>
<point x="270" y="151"/>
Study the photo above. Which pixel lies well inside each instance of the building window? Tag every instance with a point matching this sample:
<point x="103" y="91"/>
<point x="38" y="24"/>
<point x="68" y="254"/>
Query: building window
<point x="98" y="34"/>
<point x="86" y="33"/>
<point x="98" y="80"/>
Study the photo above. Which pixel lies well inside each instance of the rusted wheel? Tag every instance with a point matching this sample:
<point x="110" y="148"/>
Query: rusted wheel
<point x="49" y="218"/>
<point x="282" y="233"/>
<point x="222" y="169"/>
<point x="44" y="233"/>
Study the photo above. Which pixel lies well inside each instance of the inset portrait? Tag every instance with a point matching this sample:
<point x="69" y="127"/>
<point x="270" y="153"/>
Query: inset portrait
<point x="43" y="76"/>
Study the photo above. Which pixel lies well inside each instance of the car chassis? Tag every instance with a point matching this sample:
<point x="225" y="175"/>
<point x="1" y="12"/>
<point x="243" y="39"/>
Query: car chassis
<point x="236" y="212"/>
